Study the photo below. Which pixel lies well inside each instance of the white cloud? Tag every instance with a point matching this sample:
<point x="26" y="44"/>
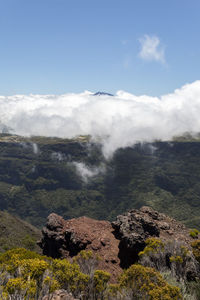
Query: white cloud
<point x="119" y="121"/>
<point x="151" y="50"/>
<point x="86" y="172"/>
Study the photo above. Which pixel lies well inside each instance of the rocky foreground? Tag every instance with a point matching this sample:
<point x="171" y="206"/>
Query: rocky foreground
<point x="117" y="243"/>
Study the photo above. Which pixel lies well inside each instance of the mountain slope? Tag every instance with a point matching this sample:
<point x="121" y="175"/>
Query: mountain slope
<point x="39" y="176"/>
<point x="16" y="233"/>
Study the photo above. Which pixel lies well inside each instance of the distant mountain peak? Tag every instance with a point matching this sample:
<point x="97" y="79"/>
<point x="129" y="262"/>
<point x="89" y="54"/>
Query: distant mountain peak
<point x="102" y="94"/>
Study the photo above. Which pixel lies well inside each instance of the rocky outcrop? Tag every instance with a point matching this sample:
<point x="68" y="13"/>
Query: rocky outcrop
<point x="59" y="295"/>
<point x="67" y="238"/>
<point x="117" y="243"/>
<point x="135" y="226"/>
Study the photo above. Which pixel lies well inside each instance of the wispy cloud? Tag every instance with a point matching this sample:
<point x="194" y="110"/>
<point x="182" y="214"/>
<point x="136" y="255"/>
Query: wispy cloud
<point x="127" y="62"/>
<point x="151" y="49"/>
<point x="86" y="172"/>
<point x="124" y="42"/>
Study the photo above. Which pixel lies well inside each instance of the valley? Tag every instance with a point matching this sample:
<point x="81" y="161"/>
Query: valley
<point x="71" y="177"/>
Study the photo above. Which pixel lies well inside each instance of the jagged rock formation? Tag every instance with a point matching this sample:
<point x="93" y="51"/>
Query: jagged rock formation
<point x="135" y="226"/>
<point x="117" y="243"/>
<point x="67" y="238"/>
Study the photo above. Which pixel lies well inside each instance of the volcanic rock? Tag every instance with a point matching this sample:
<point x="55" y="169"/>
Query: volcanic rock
<point x="117" y="243"/>
<point x="135" y="226"/>
<point x="67" y="238"/>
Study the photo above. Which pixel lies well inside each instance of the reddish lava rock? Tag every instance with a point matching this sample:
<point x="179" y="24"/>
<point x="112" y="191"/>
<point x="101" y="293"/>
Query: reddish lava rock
<point x="67" y="238"/>
<point x="117" y="243"/>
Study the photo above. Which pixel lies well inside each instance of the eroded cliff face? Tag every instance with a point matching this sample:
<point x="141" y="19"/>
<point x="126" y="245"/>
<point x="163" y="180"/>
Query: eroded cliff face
<point x="117" y="243"/>
<point x="135" y="226"/>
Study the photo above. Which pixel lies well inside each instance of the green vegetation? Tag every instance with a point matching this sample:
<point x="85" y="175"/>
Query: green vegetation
<point x="28" y="275"/>
<point x="38" y="176"/>
<point x="178" y="264"/>
<point x="196" y="249"/>
<point x="153" y="245"/>
<point x="145" y="283"/>
<point x="194" y="233"/>
<point x="36" y="180"/>
<point x="17" y="233"/>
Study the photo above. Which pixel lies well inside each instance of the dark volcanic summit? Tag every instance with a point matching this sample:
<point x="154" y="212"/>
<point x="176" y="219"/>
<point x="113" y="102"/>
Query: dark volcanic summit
<point x="102" y="94"/>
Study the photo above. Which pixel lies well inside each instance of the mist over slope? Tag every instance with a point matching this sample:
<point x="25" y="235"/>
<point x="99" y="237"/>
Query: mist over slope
<point x="41" y="175"/>
<point x="119" y="121"/>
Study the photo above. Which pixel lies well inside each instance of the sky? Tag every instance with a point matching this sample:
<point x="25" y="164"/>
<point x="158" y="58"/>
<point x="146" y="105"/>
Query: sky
<point x="149" y="47"/>
<point x="55" y="54"/>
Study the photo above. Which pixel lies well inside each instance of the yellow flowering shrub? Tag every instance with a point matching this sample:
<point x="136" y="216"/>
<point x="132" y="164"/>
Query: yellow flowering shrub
<point x="113" y="290"/>
<point x="31" y="273"/>
<point x="87" y="261"/>
<point x="19" y="286"/>
<point x="153" y="245"/>
<point x="51" y="283"/>
<point x="196" y="249"/>
<point x="21" y="253"/>
<point x="181" y="257"/>
<point x="69" y="275"/>
<point x="33" y="268"/>
<point x="30" y="276"/>
<point x="194" y="233"/>
<point x="101" y="279"/>
<point x="146" y="283"/>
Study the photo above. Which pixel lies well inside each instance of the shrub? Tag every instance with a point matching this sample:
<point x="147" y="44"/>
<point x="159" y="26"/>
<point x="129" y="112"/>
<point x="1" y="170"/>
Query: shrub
<point x="21" y="253"/>
<point x="100" y="280"/>
<point x="189" y="290"/>
<point x="172" y="256"/>
<point x="153" y="254"/>
<point x="146" y="283"/>
<point x="196" y="249"/>
<point x="153" y="245"/>
<point x="69" y="276"/>
<point x="18" y="286"/>
<point x="27" y="275"/>
<point x="30" y="274"/>
<point x="194" y="233"/>
<point x="87" y="261"/>
<point x="114" y="291"/>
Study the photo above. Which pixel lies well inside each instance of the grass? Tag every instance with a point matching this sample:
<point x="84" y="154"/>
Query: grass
<point x="17" y="233"/>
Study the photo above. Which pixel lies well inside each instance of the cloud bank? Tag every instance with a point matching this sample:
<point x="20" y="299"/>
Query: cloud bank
<point x="151" y="50"/>
<point x="118" y="121"/>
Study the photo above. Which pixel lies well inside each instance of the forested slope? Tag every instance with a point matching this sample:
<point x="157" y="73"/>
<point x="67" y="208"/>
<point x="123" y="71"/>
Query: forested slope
<point x="72" y="178"/>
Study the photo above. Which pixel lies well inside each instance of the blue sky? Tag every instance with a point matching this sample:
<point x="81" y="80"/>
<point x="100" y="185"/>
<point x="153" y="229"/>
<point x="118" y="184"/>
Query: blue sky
<point x="58" y="46"/>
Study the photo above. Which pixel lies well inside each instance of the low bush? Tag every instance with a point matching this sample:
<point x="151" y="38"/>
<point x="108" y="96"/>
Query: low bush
<point x="28" y="275"/>
<point x="194" y="233"/>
